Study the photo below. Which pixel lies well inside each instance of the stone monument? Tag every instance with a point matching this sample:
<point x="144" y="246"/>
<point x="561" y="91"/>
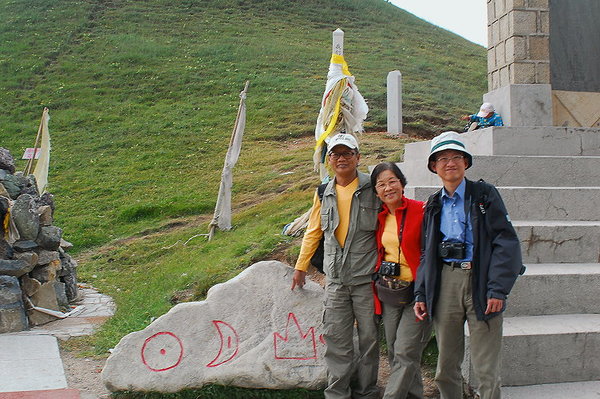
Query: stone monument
<point x="544" y="62"/>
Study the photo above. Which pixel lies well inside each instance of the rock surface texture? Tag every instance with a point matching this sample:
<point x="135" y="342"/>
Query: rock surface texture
<point x="251" y="331"/>
<point x="32" y="251"/>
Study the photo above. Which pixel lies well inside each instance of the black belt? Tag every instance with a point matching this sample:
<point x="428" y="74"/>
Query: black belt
<point x="460" y="265"/>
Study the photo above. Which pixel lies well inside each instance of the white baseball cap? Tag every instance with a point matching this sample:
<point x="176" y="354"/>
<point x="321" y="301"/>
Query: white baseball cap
<point x="448" y="141"/>
<point x="485" y="109"/>
<point x="344" y="139"/>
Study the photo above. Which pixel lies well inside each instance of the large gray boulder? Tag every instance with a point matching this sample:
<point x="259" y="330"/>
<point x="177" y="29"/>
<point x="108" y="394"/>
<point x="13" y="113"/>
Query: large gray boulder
<point x="251" y="331"/>
<point x="12" y="311"/>
<point x="26" y="218"/>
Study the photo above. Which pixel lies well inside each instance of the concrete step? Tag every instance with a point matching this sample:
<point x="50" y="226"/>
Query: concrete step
<point x="517" y="171"/>
<point x="555" y="288"/>
<point x="548" y="349"/>
<point x="539" y="203"/>
<point x="579" y="390"/>
<point x="526" y="140"/>
<point x="30" y="363"/>
<point x="559" y="241"/>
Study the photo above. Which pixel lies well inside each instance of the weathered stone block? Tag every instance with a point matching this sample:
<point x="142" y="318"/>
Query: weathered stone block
<point x="503" y="26"/>
<point x="491" y="54"/>
<point x="29" y="285"/>
<point x="7" y="162"/>
<point x="29" y="257"/>
<point x="540" y="4"/>
<point x="24" y="245"/>
<point x="46" y="218"/>
<point x="45" y="298"/>
<point x="500" y="57"/>
<point x="49" y="237"/>
<point x="3" y="192"/>
<point x="542" y="72"/>
<point x="514" y="4"/>
<point x="522" y="22"/>
<point x="10" y="184"/>
<point x="16" y="268"/>
<point x="12" y="312"/>
<point x="516" y="49"/>
<point x="522" y="73"/>
<point x="61" y="296"/>
<point x="46" y="273"/>
<point x="539" y="48"/>
<point x="251" y="331"/>
<point x="505" y="76"/>
<point x="6" y="250"/>
<point x="491" y="12"/>
<point x="66" y="245"/>
<point x="45" y="257"/>
<point x="500" y="8"/>
<point x="544" y="22"/>
<point x="25" y="217"/>
<point x="495" y="33"/>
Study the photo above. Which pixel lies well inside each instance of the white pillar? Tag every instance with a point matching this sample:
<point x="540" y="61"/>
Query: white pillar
<point x="394" y="103"/>
<point x="338" y="42"/>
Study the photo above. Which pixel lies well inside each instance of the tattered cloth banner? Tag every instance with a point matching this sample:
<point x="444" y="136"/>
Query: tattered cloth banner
<point x="42" y="141"/>
<point x="222" y="215"/>
<point x="343" y="108"/>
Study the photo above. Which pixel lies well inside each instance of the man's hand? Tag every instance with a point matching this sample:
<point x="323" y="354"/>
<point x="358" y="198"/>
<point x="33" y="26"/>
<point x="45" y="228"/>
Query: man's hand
<point x="299" y="279"/>
<point x="494" y="305"/>
<point x="465" y="117"/>
<point x="420" y="310"/>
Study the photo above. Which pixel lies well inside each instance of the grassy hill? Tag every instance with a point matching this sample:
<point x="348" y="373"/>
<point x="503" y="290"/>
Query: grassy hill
<point x="143" y="96"/>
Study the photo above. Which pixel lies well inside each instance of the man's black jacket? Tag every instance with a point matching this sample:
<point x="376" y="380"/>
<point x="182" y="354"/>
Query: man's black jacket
<point x="497" y="258"/>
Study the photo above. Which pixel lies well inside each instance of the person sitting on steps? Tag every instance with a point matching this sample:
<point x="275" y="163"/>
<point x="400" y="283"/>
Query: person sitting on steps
<point x="486" y="117"/>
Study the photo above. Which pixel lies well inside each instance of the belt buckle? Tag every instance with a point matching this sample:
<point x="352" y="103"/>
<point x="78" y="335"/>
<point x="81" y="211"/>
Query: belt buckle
<point x="465" y="265"/>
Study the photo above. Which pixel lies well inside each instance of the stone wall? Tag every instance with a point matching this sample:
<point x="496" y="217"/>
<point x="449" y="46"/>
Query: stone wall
<point x="37" y="276"/>
<point x="518" y="42"/>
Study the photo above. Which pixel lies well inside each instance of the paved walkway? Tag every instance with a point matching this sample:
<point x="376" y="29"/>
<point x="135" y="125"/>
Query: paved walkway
<point x="30" y="364"/>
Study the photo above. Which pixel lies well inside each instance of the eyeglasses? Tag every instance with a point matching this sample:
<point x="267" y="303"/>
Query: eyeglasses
<point x="445" y="160"/>
<point x="346" y="155"/>
<point x="382" y="185"/>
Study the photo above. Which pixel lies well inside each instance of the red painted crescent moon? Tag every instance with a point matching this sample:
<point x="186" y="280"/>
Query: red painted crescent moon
<point x="229" y="343"/>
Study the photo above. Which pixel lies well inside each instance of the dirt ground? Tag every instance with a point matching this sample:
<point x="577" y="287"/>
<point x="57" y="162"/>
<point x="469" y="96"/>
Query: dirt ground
<point x="83" y="373"/>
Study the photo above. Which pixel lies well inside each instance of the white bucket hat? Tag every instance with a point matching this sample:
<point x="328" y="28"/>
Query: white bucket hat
<point x="448" y="141"/>
<point x="485" y="109"/>
<point x="343" y="139"/>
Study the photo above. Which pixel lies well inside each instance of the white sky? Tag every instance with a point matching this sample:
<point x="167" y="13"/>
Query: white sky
<point x="467" y="18"/>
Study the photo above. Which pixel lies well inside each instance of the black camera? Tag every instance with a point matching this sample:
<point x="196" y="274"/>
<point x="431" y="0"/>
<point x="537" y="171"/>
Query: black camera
<point x="453" y="250"/>
<point x="389" y="269"/>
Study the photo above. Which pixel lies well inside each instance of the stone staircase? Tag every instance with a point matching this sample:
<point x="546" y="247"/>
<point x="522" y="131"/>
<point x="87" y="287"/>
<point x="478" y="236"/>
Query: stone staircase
<point x="549" y="178"/>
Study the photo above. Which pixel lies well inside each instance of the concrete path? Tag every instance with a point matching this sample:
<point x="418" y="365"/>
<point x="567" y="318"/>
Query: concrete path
<point x="30" y="363"/>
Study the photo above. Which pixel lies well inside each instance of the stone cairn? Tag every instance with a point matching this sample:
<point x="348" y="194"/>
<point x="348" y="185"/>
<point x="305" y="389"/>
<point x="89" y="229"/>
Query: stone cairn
<point x="37" y="277"/>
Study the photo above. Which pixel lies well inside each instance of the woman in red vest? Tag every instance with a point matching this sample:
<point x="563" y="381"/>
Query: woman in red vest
<point x="399" y="251"/>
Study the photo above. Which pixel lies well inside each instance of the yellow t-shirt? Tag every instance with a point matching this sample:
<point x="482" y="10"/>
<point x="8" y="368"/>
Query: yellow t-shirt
<point x="313" y="233"/>
<point x="344" y="203"/>
<point x="391" y="244"/>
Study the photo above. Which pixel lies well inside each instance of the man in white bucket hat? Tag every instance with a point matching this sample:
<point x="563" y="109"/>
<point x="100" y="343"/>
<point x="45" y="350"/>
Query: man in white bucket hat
<point x="470" y="262"/>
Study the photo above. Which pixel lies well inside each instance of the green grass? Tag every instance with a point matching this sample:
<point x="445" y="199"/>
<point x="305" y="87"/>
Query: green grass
<point x="143" y="97"/>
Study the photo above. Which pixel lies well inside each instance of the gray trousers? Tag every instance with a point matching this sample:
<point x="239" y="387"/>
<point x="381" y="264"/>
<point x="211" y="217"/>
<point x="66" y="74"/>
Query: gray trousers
<point x="454" y="306"/>
<point x="350" y="375"/>
<point x="406" y="338"/>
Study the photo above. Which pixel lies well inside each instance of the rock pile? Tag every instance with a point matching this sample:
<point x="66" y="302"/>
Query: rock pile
<point x="37" y="276"/>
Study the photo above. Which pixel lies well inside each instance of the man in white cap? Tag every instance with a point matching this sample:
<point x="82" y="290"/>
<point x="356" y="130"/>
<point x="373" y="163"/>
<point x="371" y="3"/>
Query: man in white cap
<point x="470" y="261"/>
<point x="346" y="217"/>
<point x="486" y="117"/>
